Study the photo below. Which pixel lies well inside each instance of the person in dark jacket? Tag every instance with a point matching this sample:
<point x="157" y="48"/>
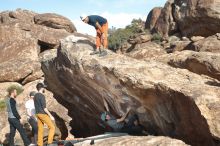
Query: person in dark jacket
<point x="14" y="119"/>
<point x="43" y="116"/>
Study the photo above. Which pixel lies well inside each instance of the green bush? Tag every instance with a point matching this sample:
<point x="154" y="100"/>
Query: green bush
<point x="156" y="37"/>
<point x="12" y="87"/>
<point x="17" y="87"/>
<point x="2" y="105"/>
<point x="117" y="37"/>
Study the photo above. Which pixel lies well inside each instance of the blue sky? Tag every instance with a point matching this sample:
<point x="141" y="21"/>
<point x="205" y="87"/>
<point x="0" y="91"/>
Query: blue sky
<point x="118" y="12"/>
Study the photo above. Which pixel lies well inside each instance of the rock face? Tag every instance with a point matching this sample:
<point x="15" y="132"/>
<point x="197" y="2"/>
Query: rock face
<point x="25" y="36"/>
<point x="137" y="141"/>
<point x="165" y="24"/>
<point x="196" y="38"/>
<point x="179" y="46"/>
<point x="209" y="44"/>
<point x="16" y="16"/>
<point x="189" y="13"/>
<point x="140" y="38"/>
<point x="55" y="21"/>
<point x="152" y="18"/>
<point x="19" y="55"/>
<point x="205" y="63"/>
<point x="145" y="51"/>
<point x="22" y="40"/>
<point x="168" y="101"/>
<point x="189" y="17"/>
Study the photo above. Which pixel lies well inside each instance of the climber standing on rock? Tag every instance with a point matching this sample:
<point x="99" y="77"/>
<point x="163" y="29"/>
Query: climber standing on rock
<point x="101" y="26"/>
<point x="43" y="115"/>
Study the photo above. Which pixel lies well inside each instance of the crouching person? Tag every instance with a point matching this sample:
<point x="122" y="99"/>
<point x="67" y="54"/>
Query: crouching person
<point x="126" y="124"/>
<point x="130" y="125"/>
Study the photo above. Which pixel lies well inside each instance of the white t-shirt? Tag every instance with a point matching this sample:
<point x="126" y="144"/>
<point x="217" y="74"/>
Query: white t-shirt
<point x="29" y="105"/>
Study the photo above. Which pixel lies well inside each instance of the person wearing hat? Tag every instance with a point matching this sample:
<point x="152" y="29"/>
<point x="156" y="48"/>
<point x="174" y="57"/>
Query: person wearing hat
<point x="101" y="26"/>
<point x="43" y="115"/>
<point x="32" y="120"/>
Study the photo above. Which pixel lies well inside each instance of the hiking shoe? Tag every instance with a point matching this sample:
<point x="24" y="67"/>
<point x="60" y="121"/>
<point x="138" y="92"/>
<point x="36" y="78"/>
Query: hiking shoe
<point x="94" y="52"/>
<point x="92" y="142"/>
<point x="103" y="53"/>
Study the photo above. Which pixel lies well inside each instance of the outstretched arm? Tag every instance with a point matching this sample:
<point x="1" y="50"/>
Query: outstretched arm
<point x="123" y="117"/>
<point x="106" y="105"/>
<point x="49" y="114"/>
<point x="99" y="27"/>
<point x="43" y="103"/>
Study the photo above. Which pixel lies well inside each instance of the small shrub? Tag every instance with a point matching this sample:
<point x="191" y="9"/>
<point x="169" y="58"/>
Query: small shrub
<point x="156" y="37"/>
<point x="118" y="37"/>
<point x="17" y="87"/>
<point x="2" y="105"/>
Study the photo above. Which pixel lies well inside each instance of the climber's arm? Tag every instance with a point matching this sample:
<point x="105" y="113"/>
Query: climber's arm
<point x="124" y="116"/>
<point x="106" y="105"/>
<point x="99" y="27"/>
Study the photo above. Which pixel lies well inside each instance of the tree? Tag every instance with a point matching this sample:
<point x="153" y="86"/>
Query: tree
<point x="117" y="37"/>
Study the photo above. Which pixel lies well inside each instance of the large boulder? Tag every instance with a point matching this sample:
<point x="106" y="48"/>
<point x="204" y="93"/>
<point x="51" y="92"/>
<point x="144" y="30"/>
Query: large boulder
<point x="179" y="46"/>
<point x="145" y="51"/>
<point x="22" y="41"/>
<point x="19" y="55"/>
<point x="152" y="18"/>
<point x="189" y="17"/>
<point x="197" y="17"/>
<point x="140" y="38"/>
<point x="169" y="101"/>
<point x="55" y="21"/>
<point x="134" y="140"/>
<point x="209" y="44"/>
<point x="202" y="63"/>
<point x="8" y="17"/>
<point x="165" y="24"/>
<point x="196" y="38"/>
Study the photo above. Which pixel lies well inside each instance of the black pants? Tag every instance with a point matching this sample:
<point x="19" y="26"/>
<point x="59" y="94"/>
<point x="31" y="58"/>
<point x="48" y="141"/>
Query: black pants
<point x="131" y="128"/>
<point x="15" y="124"/>
<point x="33" y="124"/>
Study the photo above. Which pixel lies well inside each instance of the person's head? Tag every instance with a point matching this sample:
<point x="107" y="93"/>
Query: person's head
<point x="84" y="18"/>
<point x="41" y="87"/>
<point x="31" y="95"/>
<point x="12" y="92"/>
<point x="105" y="116"/>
